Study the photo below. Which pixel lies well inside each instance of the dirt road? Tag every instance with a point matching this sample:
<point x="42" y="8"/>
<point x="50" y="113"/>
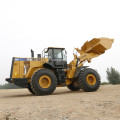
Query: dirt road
<point x="63" y="104"/>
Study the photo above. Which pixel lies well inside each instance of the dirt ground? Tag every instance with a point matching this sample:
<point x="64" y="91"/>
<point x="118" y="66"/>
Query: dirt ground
<point x="63" y="104"/>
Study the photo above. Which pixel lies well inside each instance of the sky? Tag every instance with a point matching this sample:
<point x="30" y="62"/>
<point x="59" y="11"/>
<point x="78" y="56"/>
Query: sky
<point x="38" y="24"/>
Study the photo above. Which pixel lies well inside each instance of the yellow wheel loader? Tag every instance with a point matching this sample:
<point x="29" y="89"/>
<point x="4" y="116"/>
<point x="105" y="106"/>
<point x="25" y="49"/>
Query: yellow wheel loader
<point x="42" y="75"/>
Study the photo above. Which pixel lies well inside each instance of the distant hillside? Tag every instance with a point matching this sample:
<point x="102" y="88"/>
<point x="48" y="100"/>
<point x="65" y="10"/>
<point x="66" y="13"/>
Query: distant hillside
<point x="9" y="86"/>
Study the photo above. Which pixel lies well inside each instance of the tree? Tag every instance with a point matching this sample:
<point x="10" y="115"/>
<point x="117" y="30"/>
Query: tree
<point x="113" y="76"/>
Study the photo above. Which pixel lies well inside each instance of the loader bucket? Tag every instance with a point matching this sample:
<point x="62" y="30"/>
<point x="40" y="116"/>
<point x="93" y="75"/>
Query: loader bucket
<point x="97" y="45"/>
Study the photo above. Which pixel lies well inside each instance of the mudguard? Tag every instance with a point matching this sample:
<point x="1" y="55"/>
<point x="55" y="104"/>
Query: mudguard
<point x="77" y="71"/>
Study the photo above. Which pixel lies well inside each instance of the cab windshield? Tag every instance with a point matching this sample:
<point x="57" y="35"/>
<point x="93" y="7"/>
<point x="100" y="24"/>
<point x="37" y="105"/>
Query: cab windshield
<point x="56" y="53"/>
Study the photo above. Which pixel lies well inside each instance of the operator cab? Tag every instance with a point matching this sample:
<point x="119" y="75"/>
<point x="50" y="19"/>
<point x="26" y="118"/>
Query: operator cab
<point x="55" y="53"/>
<point x="56" y="56"/>
<point x="57" y="61"/>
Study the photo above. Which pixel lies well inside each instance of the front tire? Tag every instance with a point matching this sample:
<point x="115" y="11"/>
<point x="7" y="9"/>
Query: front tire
<point x="43" y="82"/>
<point x="89" y="80"/>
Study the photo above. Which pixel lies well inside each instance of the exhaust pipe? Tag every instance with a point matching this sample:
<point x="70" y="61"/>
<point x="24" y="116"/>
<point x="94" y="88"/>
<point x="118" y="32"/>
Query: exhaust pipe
<point x="32" y="53"/>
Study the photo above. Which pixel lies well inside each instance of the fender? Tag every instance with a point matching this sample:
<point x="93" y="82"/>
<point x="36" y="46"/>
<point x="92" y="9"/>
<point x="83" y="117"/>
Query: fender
<point x="49" y="65"/>
<point x="77" y="71"/>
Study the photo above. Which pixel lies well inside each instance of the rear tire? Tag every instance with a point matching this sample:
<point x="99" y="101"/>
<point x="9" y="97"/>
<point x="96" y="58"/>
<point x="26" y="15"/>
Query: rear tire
<point x="43" y="82"/>
<point x="89" y="80"/>
<point x="74" y="86"/>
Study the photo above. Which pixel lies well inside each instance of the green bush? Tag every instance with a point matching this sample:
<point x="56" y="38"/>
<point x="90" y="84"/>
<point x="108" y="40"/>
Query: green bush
<point x="9" y="86"/>
<point x="113" y="76"/>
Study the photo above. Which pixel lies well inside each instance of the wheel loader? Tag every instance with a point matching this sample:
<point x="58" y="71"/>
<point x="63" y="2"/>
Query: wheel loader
<point x="49" y="70"/>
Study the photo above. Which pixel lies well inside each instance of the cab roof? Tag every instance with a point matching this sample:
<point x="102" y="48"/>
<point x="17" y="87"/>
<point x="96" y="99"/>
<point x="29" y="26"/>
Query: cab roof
<point x="55" y="48"/>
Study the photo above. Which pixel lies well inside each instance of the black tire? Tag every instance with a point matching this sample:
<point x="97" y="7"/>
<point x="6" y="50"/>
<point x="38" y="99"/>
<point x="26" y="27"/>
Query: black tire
<point x="30" y="89"/>
<point x="38" y="88"/>
<point x="84" y="83"/>
<point x="74" y="86"/>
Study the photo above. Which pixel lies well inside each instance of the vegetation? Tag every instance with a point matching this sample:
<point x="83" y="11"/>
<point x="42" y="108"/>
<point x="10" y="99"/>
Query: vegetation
<point x="104" y="83"/>
<point x="113" y="76"/>
<point x="9" y="86"/>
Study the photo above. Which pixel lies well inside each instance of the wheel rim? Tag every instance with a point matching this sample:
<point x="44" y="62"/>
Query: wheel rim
<point x="91" y="79"/>
<point x="45" y="81"/>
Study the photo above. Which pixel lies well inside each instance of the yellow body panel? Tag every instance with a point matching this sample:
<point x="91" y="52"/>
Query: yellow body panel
<point x="25" y="69"/>
<point x="16" y="70"/>
<point x="70" y="72"/>
<point x="21" y="69"/>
